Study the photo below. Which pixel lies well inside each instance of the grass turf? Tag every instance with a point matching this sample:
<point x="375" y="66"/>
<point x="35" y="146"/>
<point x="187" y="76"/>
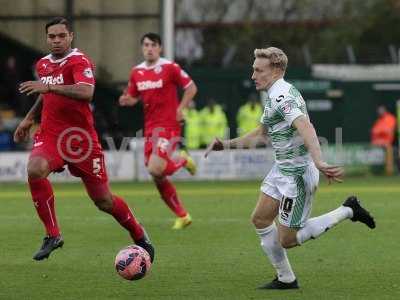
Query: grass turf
<point x="218" y="257"/>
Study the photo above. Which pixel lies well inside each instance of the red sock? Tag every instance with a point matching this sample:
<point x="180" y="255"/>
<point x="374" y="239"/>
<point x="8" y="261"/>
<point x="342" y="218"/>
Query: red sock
<point x="43" y="199"/>
<point x="170" y="197"/>
<point x="172" y="166"/>
<point x="125" y="217"/>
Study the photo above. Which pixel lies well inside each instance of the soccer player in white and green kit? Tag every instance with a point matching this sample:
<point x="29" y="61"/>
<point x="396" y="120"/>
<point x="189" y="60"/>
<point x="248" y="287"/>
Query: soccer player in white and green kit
<point x="287" y="191"/>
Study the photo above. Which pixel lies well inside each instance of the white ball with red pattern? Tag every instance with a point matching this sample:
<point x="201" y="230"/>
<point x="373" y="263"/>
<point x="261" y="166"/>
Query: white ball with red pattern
<point x="132" y="262"/>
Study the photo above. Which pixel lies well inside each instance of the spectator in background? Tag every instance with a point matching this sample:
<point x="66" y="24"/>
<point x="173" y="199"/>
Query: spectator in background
<point x="384" y="129"/>
<point x="214" y="122"/>
<point x="249" y="115"/>
<point x="9" y="80"/>
<point x="6" y="138"/>
<point x="192" y="126"/>
<point x="383" y="134"/>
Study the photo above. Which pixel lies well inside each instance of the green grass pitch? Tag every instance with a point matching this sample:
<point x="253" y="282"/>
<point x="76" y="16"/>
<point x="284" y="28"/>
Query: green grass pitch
<point x="218" y="257"/>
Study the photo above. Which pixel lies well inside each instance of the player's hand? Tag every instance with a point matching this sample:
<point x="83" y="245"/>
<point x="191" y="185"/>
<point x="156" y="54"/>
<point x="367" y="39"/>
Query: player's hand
<point x="333" y="173"/>
<point x="22" y="131"/>
<point x="179" y="115"/>
<point x="215" y="145"/>
<point x="32" y="87"/>
<point x="126" y="100"/>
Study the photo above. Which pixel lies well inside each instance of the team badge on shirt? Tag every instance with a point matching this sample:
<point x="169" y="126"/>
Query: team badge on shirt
<point x="158" y="69"/>
<point x="88" y="73"/>
<point x="287" y="107"/>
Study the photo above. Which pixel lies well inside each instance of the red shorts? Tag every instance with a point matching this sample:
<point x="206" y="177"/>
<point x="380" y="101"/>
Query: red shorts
<point x="84" y="159"/>
<point x="162" y="143"/>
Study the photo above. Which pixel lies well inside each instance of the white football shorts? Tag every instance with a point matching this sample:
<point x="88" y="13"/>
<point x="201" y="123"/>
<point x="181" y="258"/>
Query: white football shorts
<point x="295" y="194"/>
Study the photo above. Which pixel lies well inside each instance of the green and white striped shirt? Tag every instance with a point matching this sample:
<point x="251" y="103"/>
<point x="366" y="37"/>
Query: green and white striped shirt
<point x="283" y="105"/>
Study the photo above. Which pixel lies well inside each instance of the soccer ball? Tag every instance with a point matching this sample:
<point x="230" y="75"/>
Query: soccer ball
<point x="132" y="262"/>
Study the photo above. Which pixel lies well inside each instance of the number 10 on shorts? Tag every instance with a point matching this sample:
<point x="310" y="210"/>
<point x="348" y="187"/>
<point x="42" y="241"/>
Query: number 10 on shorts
<point x="286" y="207"/>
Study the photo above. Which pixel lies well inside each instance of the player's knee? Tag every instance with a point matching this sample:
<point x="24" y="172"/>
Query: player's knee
<point x="288" y="241"/>
<point x="104" y="204"/>
<point x="259" y="221"/>
<point x="38" y="168"/>
<point x="155" y="170"/>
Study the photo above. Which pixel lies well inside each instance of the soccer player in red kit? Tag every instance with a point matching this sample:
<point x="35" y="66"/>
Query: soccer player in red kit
<point x="67" y="137"/>
<point x="155" y="82"/>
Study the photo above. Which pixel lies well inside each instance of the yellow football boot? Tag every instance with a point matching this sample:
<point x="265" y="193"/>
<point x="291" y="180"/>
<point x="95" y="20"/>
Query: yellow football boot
<point x="190" y="166"/>
<point x="182" y="222"/>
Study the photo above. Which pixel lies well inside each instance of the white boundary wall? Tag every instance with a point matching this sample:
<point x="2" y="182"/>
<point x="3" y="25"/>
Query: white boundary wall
<point x="226" y="165"/>
<point x="120" y="167"/>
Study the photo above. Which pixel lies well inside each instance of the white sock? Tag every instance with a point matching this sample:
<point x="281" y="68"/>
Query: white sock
<point x="276" y="253"/>
<point x="315" y="227"/>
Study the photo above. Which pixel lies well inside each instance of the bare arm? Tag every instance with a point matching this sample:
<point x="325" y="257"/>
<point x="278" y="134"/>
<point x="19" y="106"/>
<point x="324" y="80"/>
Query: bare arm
<point x="307" y="132"/>
<point x="35" y="109"/>
<point x="187" y="96"/>
<point x="22" y="131"/>
<point x="249" y="140"/>
<point x="76" y="91"/>
<point x="127" y="100"/>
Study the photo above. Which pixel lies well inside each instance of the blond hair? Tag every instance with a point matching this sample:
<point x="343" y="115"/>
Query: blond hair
<point x="277" y="58"/>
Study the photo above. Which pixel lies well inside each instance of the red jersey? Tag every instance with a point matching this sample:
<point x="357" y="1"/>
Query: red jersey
<point x="60" y="112"/>
<point x="157" y="88"/>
